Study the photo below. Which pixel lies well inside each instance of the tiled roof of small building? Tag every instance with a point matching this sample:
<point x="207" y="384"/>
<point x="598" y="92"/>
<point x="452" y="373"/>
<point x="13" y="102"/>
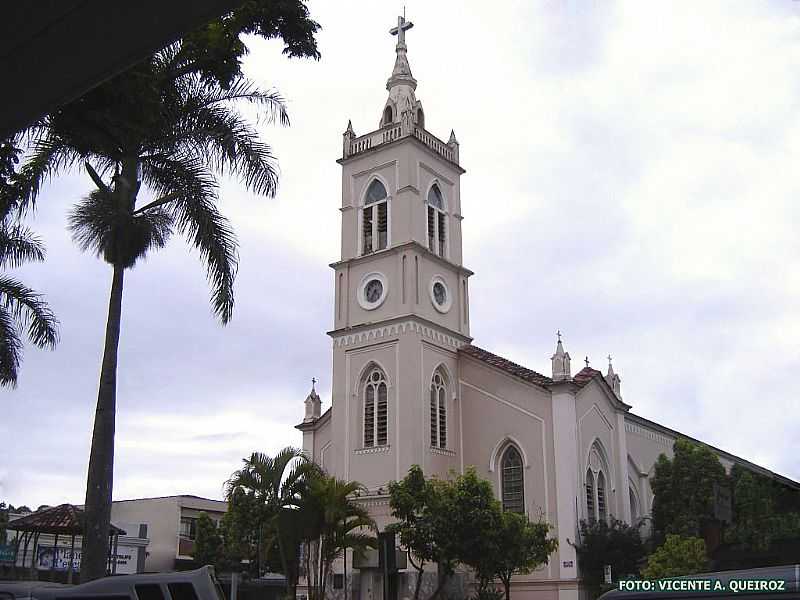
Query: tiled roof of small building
<point x="62" y="519"/>
<point x="505" y="365"/>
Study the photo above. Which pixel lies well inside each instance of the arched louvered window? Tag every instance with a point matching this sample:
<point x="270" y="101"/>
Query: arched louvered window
<point x="437" y="221"/>
<point x="590" y="513"/>
<point x="601" y="496"/>
<point x="512" y="481"/>
<point x="375" y="218"/>
<point x="438" y="406"/>
<point x="375" y="391"/>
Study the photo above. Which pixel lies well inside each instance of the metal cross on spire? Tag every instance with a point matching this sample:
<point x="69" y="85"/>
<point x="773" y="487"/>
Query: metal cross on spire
<point x="558" y="333"/>
<point x="609" y="359"/>
<point x="586" y="360"/>
<point x="313" y="383"/>
<point x="400" y="30"/>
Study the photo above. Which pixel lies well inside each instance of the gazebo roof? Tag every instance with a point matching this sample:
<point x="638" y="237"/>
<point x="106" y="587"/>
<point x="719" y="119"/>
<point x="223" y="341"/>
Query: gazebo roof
<point x="62" y="519"/>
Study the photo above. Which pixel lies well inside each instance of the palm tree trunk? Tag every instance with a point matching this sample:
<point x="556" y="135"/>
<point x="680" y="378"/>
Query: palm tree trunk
<point x="100" y="479"/>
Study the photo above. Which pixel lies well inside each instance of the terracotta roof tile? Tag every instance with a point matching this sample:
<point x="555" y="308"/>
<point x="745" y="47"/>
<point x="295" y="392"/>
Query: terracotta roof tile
<point x="506" y="365"/>
<point x="585" y="375"/>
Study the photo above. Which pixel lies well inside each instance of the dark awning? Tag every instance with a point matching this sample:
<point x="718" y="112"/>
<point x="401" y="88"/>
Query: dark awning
<point x="53" y="51"/>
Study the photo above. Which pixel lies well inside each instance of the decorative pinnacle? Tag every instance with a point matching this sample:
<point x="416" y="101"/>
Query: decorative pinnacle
<point x="452" y="139"/>
<point x="558" y="333"/>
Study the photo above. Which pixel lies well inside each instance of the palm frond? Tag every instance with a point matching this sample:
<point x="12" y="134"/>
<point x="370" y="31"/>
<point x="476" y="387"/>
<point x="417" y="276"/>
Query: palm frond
<point x="49" y="156"/>
<point x="10" y="349"/>
<point x="18" y="245"/>
<point x="29" y="310"/>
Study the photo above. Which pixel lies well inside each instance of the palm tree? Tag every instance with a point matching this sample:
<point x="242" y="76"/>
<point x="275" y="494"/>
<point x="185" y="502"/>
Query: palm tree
<point x="277" y="483"/>
<point x="21" y="308"/>
<point x="170" y="130"/>
<point x="335" y="521"/>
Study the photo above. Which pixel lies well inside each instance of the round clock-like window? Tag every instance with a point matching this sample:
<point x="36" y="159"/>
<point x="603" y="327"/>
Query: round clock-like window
<point x="440" y="294"/>
<point x="372" y="291"/>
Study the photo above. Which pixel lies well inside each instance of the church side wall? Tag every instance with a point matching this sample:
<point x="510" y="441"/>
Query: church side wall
<point x="598" y="430"/>
<point x="499" y="410"/>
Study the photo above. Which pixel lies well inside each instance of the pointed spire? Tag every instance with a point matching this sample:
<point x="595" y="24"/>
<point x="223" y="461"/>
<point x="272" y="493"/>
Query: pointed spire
<point x="349" y="130"/>
<point x="401" y="74"/>
<point x="452" y="139"/>
<point x="313" y="403"/>
<point x="560" y="362"/>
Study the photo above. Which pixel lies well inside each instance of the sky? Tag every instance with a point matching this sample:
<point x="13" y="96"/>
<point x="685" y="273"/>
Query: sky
<point x="631" y="180"/>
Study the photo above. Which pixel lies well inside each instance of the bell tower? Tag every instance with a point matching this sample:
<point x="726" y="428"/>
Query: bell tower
<point x="401" y="292"/>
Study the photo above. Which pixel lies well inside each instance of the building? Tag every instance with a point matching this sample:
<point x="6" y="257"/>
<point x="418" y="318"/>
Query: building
<point x="410" y="387"/>
<point x="171" y="526"/>
<point x="159" y="536"/>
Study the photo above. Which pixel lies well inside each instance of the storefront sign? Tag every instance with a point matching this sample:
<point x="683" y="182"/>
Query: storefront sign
<point x="126" y="559"/>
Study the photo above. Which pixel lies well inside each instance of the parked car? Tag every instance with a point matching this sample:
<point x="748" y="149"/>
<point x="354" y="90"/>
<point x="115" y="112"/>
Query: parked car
<point x="200" y="584"/>
<point x="768" y="583"/>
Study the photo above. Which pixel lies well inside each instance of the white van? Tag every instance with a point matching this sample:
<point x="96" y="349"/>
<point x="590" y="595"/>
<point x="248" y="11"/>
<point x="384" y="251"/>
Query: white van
<point x="200" y="584"/>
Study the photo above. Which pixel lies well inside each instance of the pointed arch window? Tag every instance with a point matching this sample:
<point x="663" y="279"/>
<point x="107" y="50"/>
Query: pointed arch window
<point x="590" y="496"/>
<point x="375" y="218"/>
<point x="438" y="406"/>
<point x="634" y="506"/>
<point x="513" y="495"/>
<point x="375" y="392"/>
<point x="437" y="222"/>
<point x="601" y="496"/>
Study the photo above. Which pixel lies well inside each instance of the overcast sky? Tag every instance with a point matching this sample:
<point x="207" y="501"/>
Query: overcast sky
<point x="631" y="180"/>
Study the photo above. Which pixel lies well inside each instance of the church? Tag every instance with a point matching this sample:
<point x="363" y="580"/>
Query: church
<point x="410" y="386"/>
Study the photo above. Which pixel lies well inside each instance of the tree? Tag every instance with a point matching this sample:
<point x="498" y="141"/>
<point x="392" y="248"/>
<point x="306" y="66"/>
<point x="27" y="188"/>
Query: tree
<point x="759" y="515"/>
<point x="207" y="542"/>
<point x="459" y="521"/>
<point x="412" y="501"/>
<point x="168" y="123"/>
<point x="517" y="546"/>
<point x="677" y="556"/>
<point x="21" y="308"/>
<point x="684" y="489"/>
<point x="616" y="543"/>
<point x="271" y="484"/>
<point x="334" y="522"/>
<point x="420" y="507"/>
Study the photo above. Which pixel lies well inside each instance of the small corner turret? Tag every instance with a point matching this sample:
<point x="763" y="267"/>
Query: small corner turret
<point x="313" y="404"/>
<point x="560" y="362"/>
<point x="612" y="379"/>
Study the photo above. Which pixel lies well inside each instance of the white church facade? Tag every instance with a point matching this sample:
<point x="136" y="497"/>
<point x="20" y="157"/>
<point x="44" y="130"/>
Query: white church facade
<point x="410" y="387"/>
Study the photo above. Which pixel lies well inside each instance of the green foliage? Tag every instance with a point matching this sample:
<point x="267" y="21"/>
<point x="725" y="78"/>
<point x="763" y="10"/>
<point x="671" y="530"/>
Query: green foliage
<point x="684" y="489"/>
<point x="616" y="543"/>
<point x="207" y="542"/>
<point x="459" y="521"/>
<point x="677" y="556"/>
<point x="516" y="546"/>
<point x="332" y="521"/>
<point x="760" y="513"/>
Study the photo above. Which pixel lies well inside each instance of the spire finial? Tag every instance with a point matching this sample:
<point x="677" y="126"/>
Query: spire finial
<point x="313" y="384"/>
<point x="401" y="74"/>
<point x="586" y="360"/>
<point x="560" y="361"/>
<point x="558" y="333"/>
<point x="609" y="360"/>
